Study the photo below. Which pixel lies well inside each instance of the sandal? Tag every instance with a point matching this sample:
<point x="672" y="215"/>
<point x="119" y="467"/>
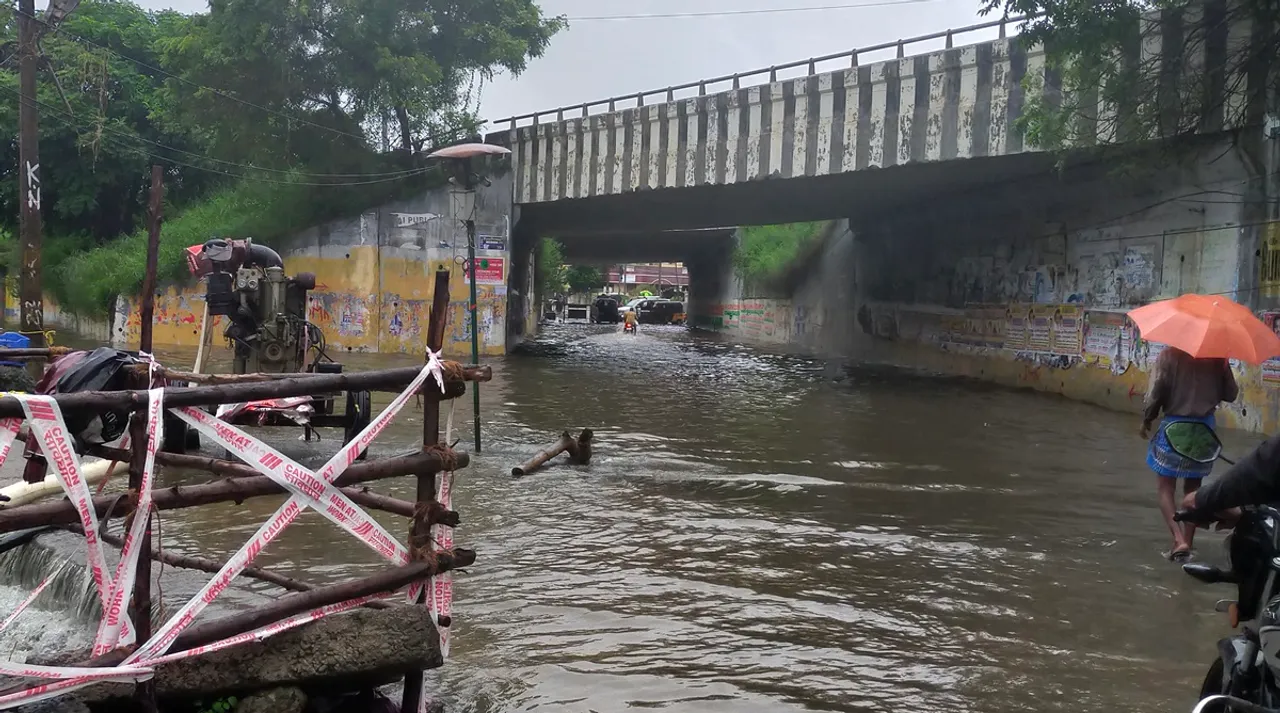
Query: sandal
<point x="1179" y="556"/>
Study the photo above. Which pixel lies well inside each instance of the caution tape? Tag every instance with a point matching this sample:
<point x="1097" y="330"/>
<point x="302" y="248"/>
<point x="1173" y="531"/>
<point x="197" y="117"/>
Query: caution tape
<point x="126" y="570"/>
<point x="440" y="601"/>
<point x="50" y="431"/>
<point x="32" y="597"/>
<point x="309" y="489"/>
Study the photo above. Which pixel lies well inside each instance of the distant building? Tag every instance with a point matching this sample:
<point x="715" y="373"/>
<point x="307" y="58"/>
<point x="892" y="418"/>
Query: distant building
<point x="655" y="277"/>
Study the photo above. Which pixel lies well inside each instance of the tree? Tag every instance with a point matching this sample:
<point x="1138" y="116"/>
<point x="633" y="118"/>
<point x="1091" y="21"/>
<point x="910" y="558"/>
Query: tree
<point x="97" y="125"/>
<point x="1201" y="79"/>
<point x="350" y="69"/>
<point x="583" y="278"/>
<point x="550" y="276"/>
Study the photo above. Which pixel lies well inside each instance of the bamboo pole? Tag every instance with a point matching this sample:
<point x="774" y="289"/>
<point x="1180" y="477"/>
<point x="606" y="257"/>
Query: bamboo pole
<point x="470" y="373"/>
<point x="301" y="385"/>
<point x="205" y="335"/>
<point x="32" y="353"/>
<point x="230" y="490"/>
<point x="412" y="694"/>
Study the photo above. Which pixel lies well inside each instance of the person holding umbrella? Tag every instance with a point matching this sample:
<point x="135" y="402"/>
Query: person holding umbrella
<point x="1191" y="378"/>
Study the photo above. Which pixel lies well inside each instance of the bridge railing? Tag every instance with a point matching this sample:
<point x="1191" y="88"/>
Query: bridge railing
<point x="710" y="86"/>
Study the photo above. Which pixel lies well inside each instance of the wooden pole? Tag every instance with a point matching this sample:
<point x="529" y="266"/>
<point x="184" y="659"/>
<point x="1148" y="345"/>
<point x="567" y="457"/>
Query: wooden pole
<point x="427" y="478"/>
<point x="204" y="340"/>
<point x="140" y="608"/>
<point x="579" y="451"/>
<point x="30" y="275"/>
<point x="230" y="490"/>
<point x="386" y="581"/>
<point x="380" y="380"/>
<point x="469" y="373"/>
<point x="204" y="564"/>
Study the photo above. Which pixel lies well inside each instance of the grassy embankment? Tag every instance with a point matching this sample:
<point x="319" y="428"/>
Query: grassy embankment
<point x="766" y="255"/>
<point x="87" y="281"/>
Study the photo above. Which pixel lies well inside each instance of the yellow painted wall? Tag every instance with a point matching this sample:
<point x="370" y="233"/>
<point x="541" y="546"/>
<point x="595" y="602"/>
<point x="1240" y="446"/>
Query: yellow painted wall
<point x="364" y="302"/>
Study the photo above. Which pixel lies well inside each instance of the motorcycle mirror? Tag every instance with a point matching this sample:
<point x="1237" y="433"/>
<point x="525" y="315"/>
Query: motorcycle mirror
<point x="1193" y="440"/>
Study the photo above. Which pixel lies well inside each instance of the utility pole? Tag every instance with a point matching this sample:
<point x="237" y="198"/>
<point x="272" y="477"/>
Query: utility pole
<point x="31" y="292"/>
<point x="470" y="185"/>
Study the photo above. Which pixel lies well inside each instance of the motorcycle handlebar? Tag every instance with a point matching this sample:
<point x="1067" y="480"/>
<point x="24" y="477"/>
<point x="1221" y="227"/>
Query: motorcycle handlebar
<point x="1236" y="704"/>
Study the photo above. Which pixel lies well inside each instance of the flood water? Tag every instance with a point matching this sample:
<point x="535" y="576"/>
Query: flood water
<point x="752" y="536"/>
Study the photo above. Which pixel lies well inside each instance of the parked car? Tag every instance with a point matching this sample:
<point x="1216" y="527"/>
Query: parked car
<point x="659" y="311"/>
<point x="605" y="310"/>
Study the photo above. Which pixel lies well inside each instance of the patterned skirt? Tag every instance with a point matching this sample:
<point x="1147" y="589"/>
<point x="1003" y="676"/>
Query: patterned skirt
<point x="1168" y="463"/>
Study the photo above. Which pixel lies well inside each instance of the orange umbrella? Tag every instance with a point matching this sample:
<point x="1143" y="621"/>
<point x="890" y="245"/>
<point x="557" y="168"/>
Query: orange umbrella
<point x="1207" y="326"/>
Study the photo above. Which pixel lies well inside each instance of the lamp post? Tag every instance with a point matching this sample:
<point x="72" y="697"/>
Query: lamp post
<point x="460" y="158"/>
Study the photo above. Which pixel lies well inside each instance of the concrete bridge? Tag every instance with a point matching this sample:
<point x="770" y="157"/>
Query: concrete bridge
<point x="719" y="152"/>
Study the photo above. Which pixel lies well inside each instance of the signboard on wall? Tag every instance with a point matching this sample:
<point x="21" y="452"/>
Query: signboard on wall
<point x="489" y="271"/>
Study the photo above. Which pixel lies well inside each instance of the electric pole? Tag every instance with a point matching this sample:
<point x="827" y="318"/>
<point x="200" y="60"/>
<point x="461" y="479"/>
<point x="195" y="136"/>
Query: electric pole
<point x="31" y="292"/>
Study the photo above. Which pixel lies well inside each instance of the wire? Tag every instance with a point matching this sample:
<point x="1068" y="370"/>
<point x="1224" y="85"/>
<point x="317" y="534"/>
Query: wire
<point x="219" y="92"/>
<point x="132" y="137"/>
<point x="61" y="116"/>
<point x="761" y="11"/>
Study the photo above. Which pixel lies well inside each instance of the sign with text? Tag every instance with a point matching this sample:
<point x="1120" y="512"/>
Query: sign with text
<point x="489" y="271"/>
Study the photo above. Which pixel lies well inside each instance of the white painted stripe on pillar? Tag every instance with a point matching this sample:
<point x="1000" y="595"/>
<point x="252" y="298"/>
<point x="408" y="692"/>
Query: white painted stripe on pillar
<point x="826" y="116"/>
<point x="879" y="102"/>
<point x="1108" y="112"/>
<point x="527" y="157"/>
<point x="619" y="146"/>
<point x="906" y="107"/>
<point x="968" y="99"/>
<point x="733" y="109"/>
<point x="1237" y="83"/>
<point x="653" y="124"/>
<point x="852" y="110"/>
<point x="571" y="153"/>
<point x="540" y="159"/>
<point x="755" y="133"/>
<point x="933" y="126"/>
<point x="1001" y="81"/>
<point x="691" y="141"/>
<point x="558" y="170"/>
<point x="602" y="157"/>
<point x="1035" y="80"/>
<point x="638" y="128"/>
<point x="800" y="127"/>
<point x="713" y="138"/>
<point x="777" y="129"/>
<point x="673" y="145"/>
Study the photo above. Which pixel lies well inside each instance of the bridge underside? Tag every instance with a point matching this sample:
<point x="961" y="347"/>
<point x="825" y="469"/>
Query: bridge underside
<point x="872" y="192"/>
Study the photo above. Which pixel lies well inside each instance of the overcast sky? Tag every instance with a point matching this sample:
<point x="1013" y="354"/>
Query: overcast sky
<point x="595" y="59"/>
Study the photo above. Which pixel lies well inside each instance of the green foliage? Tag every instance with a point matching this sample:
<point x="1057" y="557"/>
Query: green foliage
<point x="222" y="705"/>
<point x="765" y="251"/>
<point x="550" y="274"/>
<point x="96" y="120"/>
<point x="345" y="66"/>
<point x="261" y="111"/>
<point x="88" y="282"/>
<point x="1102" y="83"/>
<point x="583" y="278"/>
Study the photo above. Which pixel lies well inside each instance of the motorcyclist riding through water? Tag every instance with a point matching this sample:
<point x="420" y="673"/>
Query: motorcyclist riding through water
<point x="629" y="321"/>
<point x="1245" y="677"/>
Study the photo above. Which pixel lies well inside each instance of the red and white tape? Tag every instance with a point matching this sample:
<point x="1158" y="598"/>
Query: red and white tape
<point x="309" y="490"/>
<point x="50" y="431"/>
<point x="9" y="429"/>
<point x="440" y="599"/>
<point x="122" y="584"/>
<point x="32" y="596"/>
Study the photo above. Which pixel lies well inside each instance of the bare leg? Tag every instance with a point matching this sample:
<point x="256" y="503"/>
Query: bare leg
<point x="1189" y="487"/>
<point x="1165" y="489"/>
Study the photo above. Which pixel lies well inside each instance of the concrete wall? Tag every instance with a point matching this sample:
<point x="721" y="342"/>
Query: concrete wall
<point x="373" y="279"/>
<point x="1028" y="285"/>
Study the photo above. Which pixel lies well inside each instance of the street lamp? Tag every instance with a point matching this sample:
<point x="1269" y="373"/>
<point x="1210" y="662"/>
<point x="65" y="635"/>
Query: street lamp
<point x="459" y="157"/>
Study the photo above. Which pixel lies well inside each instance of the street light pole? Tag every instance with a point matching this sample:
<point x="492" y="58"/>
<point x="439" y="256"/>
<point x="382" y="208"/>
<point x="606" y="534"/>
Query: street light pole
<point x="475" y="321"/>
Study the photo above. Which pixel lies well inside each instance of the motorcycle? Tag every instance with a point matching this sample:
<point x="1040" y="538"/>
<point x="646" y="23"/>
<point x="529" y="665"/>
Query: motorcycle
<point x="629" y="328"/>
<point x="1245" y="677"/>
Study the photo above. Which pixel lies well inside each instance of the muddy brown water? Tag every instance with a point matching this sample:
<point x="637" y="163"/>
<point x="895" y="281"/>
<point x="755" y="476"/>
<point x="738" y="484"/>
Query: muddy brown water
<point x="752" y="536"/>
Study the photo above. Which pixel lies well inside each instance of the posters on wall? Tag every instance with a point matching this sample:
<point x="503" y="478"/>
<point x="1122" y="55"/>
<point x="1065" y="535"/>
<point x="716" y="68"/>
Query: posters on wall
<point x="1068" y="330"/>
<point x="1271" y="367"/>
<point x="1109" y="340"/>
<point x="1040" y="328"/>
<point x="1016" y="328"/>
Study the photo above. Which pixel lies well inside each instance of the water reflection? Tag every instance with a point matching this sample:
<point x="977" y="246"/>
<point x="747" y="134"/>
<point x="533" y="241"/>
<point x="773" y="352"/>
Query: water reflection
<point x="752" y="536"/>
